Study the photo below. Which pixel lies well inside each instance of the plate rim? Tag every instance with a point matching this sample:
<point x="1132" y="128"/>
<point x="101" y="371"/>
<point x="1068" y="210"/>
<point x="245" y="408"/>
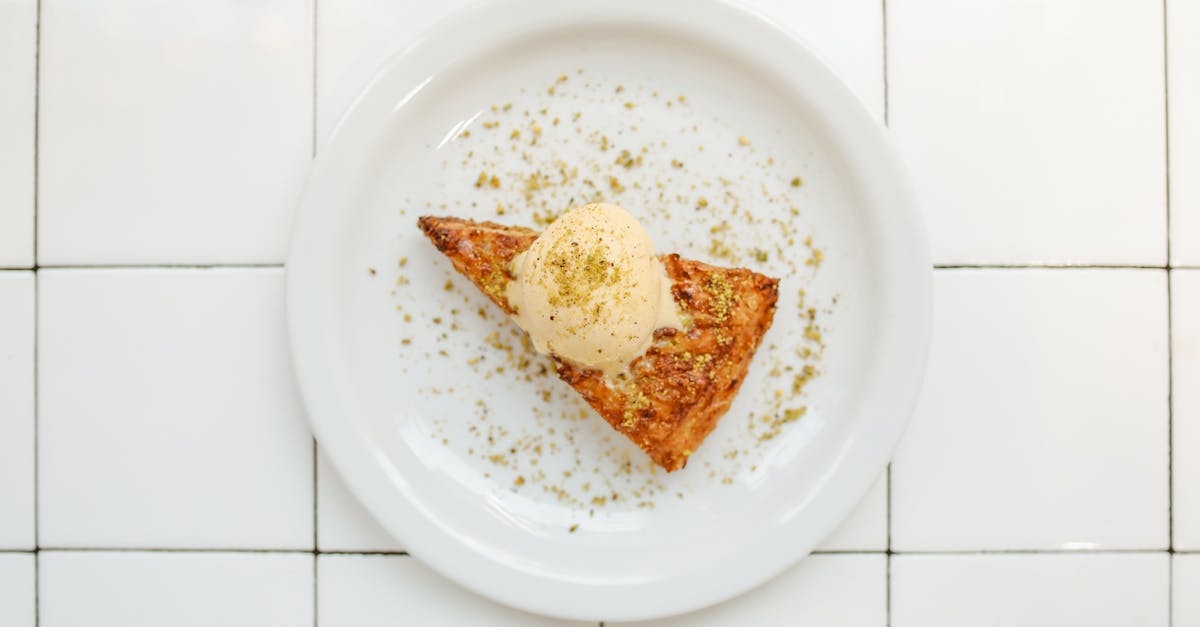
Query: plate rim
<point x="369" y="482"/>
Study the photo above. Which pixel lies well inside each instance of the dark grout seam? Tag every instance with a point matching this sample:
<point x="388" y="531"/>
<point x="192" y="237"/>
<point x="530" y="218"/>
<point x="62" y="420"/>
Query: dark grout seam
<point x="1166" y="130"/>
<point x="36" y="447"/>
<point x="366" y="553"/>
<point x="887" y="593"/>
<point x="158" y="266"/>
<point x="37" y="171"/>
<point x="37" y="121"/>
<point x="887" y="564"/>
<point x="402" y="553"/>
<point x="1170" y="322"/>
<point x="84" y="549"/>
<point x="1059" y="552"/>
<point x="1048" y="266"/>
<point x="316" y="546"/>
<point x="939" y="266"/>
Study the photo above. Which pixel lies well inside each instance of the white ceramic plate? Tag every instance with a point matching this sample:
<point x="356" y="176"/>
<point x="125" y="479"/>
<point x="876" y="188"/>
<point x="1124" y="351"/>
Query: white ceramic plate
<point x="436" y="416"/>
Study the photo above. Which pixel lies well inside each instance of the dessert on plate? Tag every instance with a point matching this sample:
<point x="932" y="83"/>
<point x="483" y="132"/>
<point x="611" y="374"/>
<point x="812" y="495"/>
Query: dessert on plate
<point x="658" y="345"/>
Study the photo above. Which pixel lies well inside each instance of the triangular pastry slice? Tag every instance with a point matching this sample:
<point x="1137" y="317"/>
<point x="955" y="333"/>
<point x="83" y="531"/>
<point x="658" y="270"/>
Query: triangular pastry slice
<point x="686" y="380"/>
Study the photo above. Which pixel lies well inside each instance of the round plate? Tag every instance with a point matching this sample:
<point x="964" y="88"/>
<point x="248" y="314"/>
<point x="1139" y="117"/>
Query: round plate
<point x="734" y="145"/>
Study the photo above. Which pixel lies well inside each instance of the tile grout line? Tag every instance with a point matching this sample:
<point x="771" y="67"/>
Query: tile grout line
<point x="1166" y="130"/>
<point x="37" y="125"/>
<point x="316" y="547"/>
<point x="37" y="121"/>
<point x="1170" y="321"/>
<point x="888" y="552"/>
<point x="1047" y="266"/>
<point x="270" y="265"/>
<point x="157" y="266"/>
<point x="1170" y="456"/>
<point x="887" y="557"/>
<point x="1056" y="552"/>
<point x="336" y="553"/>
<point x="401" y="553"/>
<point x="225" y="550"/>
<point x="36" y="462"/>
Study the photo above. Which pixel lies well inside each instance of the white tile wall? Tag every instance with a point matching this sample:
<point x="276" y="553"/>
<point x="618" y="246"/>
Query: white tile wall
<point x="1185" y="585"/>
<point x="17" y="590"/>
<point x="343" y="524"/>
<point x="1114" y="590"/>
<point x="385" y="590"/>
<point x="1034" y="130"/>
<point x="1043" y="421"/>
<point x="178" y="589"/>
<point x="16" y="410"/>
<point x="1183" y="75"/>
<point x="18" y="63"/>
<point x="842" y="590"/>
<point x="1185" y="401"/>
<point x="168" y="416"/>
<point x="172" y="132"/>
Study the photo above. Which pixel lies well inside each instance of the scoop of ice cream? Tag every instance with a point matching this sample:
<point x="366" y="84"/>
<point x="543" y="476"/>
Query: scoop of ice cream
<point x="591" y="291"/>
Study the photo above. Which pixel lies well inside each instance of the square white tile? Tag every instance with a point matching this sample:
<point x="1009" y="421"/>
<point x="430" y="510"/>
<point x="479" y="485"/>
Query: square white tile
<point x="17" y="590"/>
<point x="172" y="133"/>
<point x="1043" y="419"/>
<point x="842" y="590"/>
<point x="847" y="34"/>
<point x="1034" y="130"/>
<point x="1185" y="401"/>
<point x="1185" y="584"/>
<point x="178" y="589"/>
<point x="354" y="37"/>
<point x="168" y="414"/>
<point x="1111" y="590"/>
<point x="343" y="524"/>
<point x="865" y="529"/>
<point x="1183" y="80"/>
<point x="16" y="410"/>
<point x="18" y="66"/>
<point x="387" y="590"/>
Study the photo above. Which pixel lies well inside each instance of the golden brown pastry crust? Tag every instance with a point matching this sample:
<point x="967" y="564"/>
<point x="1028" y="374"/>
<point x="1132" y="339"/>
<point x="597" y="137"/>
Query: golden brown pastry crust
<point x="686" y="380"/>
